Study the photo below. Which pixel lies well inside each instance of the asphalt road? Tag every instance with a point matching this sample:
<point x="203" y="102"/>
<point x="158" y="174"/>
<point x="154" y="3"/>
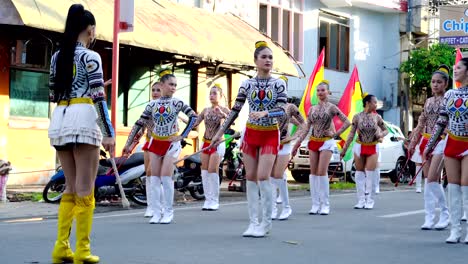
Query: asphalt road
<point x="388" y="234"/>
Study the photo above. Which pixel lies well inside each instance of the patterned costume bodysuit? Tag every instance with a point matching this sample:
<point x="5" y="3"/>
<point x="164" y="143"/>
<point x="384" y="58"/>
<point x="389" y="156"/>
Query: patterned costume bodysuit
<point x="320" y="118"/>
<point x="366" y="125"/>
<point x="262" y="95"/>
<point x="293" y="116"/>
<point x="164" y="112"/>
<point x="426" y="123"/>
<point x="213" y="121"/>
<point x="453" y="117"/>
<point x="73" y="121"/>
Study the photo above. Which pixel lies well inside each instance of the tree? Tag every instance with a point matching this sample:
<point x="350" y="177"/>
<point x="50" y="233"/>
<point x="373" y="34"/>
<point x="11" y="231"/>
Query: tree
<point x="423" y="62"/>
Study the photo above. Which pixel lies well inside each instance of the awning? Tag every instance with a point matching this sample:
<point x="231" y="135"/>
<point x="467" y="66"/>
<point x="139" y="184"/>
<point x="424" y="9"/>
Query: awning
<point x="164" y="26"/>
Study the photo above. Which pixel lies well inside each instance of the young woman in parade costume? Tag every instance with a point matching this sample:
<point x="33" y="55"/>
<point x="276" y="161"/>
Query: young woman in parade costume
<point x="433" y="192"/>
<point x="210" y="158"/>
<point x="321" y="145"/>
<point x="77" y="86"/>
<point x="371" y="130"/>
<point x="266" y="97"/>
<point x="149" y="126"/>
<point x="278" y="176"/>
<point x="453" y="117"/>
<point x="164" y="145"/>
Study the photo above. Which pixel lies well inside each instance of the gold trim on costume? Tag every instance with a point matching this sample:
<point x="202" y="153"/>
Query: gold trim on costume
<point x="262" y="128"/>
<point x="367" y="143"/>
<point x="457" y="138"/>
<point x="80" y="100"/>
<point x="316" y="139"/>
<point x="162" y="138"/>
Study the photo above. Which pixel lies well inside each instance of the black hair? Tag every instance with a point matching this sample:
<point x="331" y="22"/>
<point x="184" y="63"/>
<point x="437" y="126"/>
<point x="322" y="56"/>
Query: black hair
<point x="465" y="62"/>
<point x="259" y="49"/>
<point x="78" y="19"/>
<point x="164" y="77"/>
<point x="443" y="70"/>
<point x="367" y="99"/>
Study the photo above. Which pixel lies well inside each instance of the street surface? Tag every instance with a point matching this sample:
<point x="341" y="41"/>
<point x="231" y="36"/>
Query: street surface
<point x="388" y="234"/>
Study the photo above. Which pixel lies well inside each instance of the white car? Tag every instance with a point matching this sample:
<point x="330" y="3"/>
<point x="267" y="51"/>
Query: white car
<point x="392" y="159"/>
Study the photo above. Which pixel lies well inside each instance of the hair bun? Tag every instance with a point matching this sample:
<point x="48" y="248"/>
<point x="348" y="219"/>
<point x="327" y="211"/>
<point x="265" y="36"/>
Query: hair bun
<point x="164" y="72"/>
<point x="444" y="68"/>
<point x="260" y="44"/>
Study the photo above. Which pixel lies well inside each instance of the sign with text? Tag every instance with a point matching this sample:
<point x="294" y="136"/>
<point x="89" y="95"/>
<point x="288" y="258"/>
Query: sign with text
<point x="127" y="14"/>
<point x="454" y="25"/>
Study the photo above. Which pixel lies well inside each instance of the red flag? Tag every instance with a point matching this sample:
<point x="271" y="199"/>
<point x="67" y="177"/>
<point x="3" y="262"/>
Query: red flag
<point x="458" y="57"/>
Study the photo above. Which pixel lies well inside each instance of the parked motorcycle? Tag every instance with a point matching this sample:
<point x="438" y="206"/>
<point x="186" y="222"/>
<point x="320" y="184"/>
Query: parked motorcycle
<point x="132" y="174"/>
<point x="234" y="167"/>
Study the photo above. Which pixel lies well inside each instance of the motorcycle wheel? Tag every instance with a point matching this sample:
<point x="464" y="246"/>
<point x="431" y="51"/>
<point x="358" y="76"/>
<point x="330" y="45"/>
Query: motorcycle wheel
<point x="197" y="192"/>
<point x="53" y="191"/>
<point x="138" y="194"/>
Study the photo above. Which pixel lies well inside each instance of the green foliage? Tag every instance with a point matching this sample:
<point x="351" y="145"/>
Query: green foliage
<point x="423" y="62"/>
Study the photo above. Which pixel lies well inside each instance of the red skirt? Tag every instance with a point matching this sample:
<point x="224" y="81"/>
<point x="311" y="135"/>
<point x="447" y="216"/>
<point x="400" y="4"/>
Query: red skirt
<point x="206" y="143"/>
<point x="368" y="149"/>
<point x="424" y="141"/>
<point x="456" y="147"/>
<point x="259" y="138"/>
<point x="316" y="143"/>
<point x="159" y="145"/>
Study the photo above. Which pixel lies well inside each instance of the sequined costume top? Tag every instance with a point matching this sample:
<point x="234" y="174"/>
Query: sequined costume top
<point x="367" y="125"/>
<point x="268" y="94"/>
<point x="427" y="120"/>
<point x="453" y="116"/>
<point x="292" y="115"/>
<point x="87" y="82"/>
<point x="164" y="112"/>
<point x="213" y="120"/>
<point x="320" y="119"/>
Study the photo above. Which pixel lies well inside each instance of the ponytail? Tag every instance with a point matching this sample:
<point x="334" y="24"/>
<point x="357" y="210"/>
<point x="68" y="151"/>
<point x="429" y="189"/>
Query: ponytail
<point x="78" y="19"/>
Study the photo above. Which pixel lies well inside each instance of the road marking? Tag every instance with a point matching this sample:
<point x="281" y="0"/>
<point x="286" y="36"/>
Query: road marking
<point x="402" y="214"/>
<point x="182" y="208"/>
<point x="24" y="220"/>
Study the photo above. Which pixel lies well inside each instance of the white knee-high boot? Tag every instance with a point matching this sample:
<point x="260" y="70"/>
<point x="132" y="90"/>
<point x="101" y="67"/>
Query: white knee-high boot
<point x="168" y="186"/>
<point x="324" y="195"/>
<point x="266" y="198"/>
<point x="213" y="179"/>
<point x="418" y="179"/>
<point x="155" y="185"/>
<point x="444" y="217"/>
<point x="465" y="207"/>
<point x="274" y="193"/>
<point x="314" y="185"/>
<point x="370" y="190"/>
<point x="377" y="182"/>
<point x="455" y="205"/>
<point x="252" y="203"/>
<point x="206" y="190"/>
<point x="360" y="179"/>
<point x="284" y="193"/>
<point x="149" y="192"/>
<point x="429" y="205"/>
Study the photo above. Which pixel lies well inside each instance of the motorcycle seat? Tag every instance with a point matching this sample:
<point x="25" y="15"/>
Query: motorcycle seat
<point x="134" y="160"/>
<point x="195" y="158"/>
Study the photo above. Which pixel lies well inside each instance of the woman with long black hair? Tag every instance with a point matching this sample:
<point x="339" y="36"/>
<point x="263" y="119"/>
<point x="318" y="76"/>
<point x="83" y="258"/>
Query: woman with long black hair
<point x="76" y="84"/>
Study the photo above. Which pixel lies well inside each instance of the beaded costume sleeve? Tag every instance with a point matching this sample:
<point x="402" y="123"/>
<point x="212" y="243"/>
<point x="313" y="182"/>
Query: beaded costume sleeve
<point x="52" y="97"/>
<point x="382" y="126"/>
<point x="92" y="62"/>
<point x="192" y="116"/>
<point x="416" y="134"/>
<point x="262" y="95"/>
<point x="140" y="124"/>
<point x="337" y="112"/>
<point x="292" y="116"/>
<point x="352" y="132"/>
<point x="453" y="116"/>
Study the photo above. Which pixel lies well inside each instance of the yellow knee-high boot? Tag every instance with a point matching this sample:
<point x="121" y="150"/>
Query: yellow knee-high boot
<point x="62" y="251"/>
<point x="84" y="220"/>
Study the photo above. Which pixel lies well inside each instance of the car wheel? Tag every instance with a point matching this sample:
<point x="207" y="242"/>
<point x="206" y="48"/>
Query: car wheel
<point x="300" y="176"/>
<point x="351" y="176"/>
<point x="401" y="173"/>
